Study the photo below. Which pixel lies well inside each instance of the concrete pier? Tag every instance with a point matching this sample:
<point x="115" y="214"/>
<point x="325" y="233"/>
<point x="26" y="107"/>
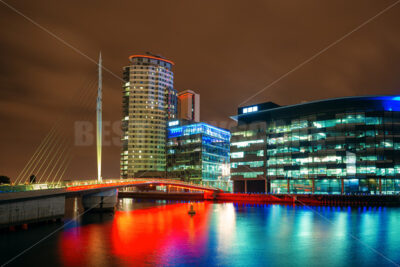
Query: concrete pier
<point x="101" y="201"/>
<point x="25" y="211"/>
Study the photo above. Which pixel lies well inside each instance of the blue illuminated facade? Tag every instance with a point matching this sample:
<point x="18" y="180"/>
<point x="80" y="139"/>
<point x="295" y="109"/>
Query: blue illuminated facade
<point x="345" y="145"/>
<point x="199" y="128"/>
<point x="198" y="153"/>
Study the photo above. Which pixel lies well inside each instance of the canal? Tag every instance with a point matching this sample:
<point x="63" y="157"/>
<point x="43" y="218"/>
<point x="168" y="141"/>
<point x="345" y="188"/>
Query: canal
<point x="219" y="234"/>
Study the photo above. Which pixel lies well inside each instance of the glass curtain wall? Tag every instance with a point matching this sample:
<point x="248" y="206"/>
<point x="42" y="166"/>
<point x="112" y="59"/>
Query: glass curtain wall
<point x="352" y="152"/>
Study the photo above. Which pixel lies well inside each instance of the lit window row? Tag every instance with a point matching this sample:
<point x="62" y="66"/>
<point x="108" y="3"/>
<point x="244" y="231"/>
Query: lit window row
<point x="247" y="143"/>
<point x="247" y="174"/>
<point x="241" y="154"/>
<point x="251" y="164"/>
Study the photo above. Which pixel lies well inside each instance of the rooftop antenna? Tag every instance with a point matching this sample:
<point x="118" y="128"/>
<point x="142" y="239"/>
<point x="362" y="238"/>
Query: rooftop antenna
<point x="99" y="122"/>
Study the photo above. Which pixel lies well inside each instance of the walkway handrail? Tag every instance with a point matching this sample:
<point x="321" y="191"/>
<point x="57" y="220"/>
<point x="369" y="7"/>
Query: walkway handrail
<point x="111" y="182"/>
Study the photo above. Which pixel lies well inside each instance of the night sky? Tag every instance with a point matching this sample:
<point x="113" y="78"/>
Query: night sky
<point x="225" y="50"/>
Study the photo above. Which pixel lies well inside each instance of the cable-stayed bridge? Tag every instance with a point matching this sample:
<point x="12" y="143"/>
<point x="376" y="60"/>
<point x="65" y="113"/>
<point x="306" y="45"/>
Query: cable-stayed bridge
<point x="38" y="193"/>
<point x="20" y="204"/>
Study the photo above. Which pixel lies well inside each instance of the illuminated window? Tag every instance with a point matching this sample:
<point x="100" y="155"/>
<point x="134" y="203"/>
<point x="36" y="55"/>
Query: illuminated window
<point x="237" y="155"/>
<point x="173" y="123"/>
<point x="251" y="164"/>
<point x="260" y="153"/>
<point x="250" y="109"/>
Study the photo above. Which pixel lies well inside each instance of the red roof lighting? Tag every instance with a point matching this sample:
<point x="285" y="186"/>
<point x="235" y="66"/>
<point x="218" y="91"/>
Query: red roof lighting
<point x="157" y="58"/>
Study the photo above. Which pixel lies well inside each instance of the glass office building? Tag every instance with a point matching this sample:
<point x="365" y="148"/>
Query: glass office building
<point x="198" y="153"/>
<point x="336" y="146"/>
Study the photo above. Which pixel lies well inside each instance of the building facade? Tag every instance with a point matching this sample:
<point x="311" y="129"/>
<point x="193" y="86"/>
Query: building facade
<point x="198" y="153"/>
<point x="336" y="146"/>
<point x="248" y="152"/>
<point x="149" y="101"/>
<point x="189" y="106"/>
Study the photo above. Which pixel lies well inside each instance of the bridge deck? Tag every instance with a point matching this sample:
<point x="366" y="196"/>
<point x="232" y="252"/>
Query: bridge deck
<point x="18" y="192"/>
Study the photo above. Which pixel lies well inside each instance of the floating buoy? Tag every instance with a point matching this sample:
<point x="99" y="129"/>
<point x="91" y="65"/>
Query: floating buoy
<point x="191" y="211"/>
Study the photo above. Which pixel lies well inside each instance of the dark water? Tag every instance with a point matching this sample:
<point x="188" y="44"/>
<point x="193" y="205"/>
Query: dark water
<point x="162" y="233"/>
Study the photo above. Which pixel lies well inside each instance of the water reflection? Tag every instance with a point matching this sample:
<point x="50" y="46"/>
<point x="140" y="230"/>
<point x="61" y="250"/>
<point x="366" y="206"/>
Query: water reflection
<point x="149" y="235"/>
<point x="224" y="234"/>
<point x="226" y="226"/>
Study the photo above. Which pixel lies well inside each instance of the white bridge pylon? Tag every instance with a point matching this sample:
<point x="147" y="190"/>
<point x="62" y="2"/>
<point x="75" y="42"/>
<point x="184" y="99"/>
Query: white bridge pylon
<point x="99" y="122"/>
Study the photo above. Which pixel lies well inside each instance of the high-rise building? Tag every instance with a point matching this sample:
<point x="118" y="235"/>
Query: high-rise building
<point x="198" y="153"/>
<point x="189" y="106"/>
<point x="149" y="101"/>
<point x="345" y="145"/>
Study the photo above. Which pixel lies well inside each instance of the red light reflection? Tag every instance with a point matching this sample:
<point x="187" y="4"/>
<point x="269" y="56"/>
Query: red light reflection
<point x="152" y="236"/>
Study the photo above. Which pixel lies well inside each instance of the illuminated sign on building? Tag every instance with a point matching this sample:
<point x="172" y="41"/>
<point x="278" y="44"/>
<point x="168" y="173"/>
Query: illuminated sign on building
<point x="250" y="109"/>
<point x="173" y="123"/>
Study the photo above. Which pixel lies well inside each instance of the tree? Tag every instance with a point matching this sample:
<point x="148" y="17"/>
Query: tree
<point x="4" y="179"/>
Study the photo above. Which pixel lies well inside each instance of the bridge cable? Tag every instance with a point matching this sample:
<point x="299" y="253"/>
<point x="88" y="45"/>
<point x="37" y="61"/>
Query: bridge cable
<point x="56" y="163"/>
<point x="38" y="157"/>
<point x="34" y="156"/>
<point x="39" y="149"/>
<point x="65" y="161"/>
<point x="45" y="141"/>
<point x="87" y="116"/>
<point x="44" y="154"/>
<point x="66" y="166"/>
<point x="64" y="144"/>
<point x="53" y="156"/>
<point x="48" y="142"/>
<point x="68" y="154"/>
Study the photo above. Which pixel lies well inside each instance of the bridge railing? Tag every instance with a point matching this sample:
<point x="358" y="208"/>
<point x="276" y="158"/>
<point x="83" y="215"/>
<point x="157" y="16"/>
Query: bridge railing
<point x="135" y="180"/>
<point x="76" y="183"/>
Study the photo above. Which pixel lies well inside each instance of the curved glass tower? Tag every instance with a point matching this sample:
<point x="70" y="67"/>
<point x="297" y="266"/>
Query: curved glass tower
<point x="149" y="101"/>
